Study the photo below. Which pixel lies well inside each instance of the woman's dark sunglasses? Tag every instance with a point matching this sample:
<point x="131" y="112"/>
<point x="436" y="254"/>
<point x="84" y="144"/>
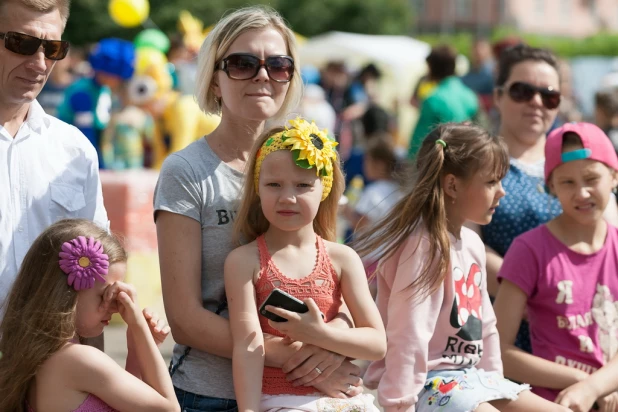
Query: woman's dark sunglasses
<point x="521" y="92"/>
<point x="243" y="66"/>
<point x="28" y="45"/>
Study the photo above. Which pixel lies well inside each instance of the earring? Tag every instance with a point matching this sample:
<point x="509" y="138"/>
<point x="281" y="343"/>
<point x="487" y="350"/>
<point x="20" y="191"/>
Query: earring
<point x="218" y="104"/>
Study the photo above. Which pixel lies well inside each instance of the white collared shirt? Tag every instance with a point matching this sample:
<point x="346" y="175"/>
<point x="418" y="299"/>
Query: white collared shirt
<point x="48" y="172"/>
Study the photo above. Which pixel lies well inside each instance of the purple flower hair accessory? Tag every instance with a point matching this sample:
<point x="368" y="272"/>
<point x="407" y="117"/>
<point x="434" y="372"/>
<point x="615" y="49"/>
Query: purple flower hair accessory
<point x="84" y="261"/>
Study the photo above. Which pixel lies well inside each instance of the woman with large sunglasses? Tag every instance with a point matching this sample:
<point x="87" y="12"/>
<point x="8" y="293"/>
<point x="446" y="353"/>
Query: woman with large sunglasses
<point x="248" y="73"/>
<point x="527" y="96"/>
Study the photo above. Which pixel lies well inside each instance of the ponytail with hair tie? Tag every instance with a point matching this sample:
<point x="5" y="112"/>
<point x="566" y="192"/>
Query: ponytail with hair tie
<point x="470" y="149"/>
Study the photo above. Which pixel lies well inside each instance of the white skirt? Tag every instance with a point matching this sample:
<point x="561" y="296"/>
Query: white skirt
<point x="313" y="403"/>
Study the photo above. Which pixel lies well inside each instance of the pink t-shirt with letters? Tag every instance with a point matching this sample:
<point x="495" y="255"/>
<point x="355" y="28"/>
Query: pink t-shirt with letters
<point x="572" y="299"/>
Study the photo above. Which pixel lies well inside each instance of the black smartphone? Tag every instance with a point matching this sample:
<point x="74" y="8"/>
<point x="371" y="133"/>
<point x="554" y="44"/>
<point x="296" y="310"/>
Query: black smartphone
<point x="281" y="299"/>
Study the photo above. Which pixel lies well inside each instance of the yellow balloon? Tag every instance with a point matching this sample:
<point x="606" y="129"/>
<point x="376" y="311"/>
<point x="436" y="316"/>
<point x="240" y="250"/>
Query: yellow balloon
<point x="129" y="13"/>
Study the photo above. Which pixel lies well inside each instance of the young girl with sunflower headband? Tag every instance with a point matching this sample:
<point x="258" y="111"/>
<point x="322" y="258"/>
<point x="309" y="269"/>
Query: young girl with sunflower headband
<point x="288" y="213"/>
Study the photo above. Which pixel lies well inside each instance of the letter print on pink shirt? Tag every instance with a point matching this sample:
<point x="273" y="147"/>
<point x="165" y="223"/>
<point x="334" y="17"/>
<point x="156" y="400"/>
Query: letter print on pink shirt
<point x="467" y="311"/>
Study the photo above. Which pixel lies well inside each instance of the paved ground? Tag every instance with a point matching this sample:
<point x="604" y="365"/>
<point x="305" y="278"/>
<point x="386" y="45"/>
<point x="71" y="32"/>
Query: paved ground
<point x="116" y="346"/>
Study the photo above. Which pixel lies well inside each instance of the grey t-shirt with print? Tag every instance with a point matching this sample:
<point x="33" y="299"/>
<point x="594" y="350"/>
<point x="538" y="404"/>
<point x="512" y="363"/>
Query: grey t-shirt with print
<point x="194" y="182"/>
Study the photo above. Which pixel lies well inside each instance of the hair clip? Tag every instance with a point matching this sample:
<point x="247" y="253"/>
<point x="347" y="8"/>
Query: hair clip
<point x="84" y="261"/>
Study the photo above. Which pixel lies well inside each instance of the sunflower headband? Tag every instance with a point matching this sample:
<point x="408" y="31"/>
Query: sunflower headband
<point x="310" y="146"/>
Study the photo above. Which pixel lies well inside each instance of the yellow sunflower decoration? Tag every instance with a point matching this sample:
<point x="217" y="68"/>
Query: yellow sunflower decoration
<point x="310" y="146"/>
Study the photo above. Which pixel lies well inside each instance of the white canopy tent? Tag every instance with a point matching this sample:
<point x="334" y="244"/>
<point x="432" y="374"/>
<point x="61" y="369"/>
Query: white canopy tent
<point x="397" y="52"/>
<point x="401" y="58"/>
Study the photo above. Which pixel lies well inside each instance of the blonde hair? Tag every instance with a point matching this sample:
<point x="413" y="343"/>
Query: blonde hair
<point x="468" y="150"/>
<point x="44" y="6"/>
<point x="250" y="221"/>
<point x="221" y="38"/>
<point x="41" y="308"/>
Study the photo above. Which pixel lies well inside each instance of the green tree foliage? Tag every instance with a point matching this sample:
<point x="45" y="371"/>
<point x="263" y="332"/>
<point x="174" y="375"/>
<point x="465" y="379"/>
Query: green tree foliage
<point x="90" y="21"/>
<point x="313" y="17"/>
<point x="601" y="44"/>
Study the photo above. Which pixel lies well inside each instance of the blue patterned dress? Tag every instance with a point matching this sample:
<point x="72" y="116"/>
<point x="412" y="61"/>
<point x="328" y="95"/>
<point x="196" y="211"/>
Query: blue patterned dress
<point x="525" y="206"/>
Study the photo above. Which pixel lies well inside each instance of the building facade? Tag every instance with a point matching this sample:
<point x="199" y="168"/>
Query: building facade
<point x="576" y="18"/>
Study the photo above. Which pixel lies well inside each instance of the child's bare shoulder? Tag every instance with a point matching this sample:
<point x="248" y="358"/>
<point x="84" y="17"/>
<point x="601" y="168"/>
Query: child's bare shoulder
<point x="84" y="355"/>
<point x="243" y="259"/>
<point x="73" y="361"/>
<point x="248" y="251"/>
<point x="340" y="254"/>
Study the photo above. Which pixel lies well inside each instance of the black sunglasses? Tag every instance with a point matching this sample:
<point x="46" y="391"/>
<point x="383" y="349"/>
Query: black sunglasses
<point x="27" y="45"/>
<point x="521" y="92"/>
<point x="244" y="66"/>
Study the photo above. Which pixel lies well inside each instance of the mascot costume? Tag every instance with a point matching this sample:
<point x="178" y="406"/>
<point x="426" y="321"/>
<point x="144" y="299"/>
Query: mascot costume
<point x="88" y="102"/>
<point x="178" y="120"/>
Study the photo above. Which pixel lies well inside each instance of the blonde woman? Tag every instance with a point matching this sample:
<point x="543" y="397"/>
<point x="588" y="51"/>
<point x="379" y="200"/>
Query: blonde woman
<point x="248" y="72"/>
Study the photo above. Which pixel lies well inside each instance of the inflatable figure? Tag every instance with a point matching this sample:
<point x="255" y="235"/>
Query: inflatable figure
<point x="178" y="120"/>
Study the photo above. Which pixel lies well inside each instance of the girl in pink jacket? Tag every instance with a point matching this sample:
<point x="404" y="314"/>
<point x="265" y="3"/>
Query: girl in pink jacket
<point x="443" y="349"/>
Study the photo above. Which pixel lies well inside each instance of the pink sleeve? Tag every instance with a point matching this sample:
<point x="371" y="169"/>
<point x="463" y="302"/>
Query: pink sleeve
<point x="409" y="329"/>
<point x="491" y="359"/>
<point x="520" y="266"/>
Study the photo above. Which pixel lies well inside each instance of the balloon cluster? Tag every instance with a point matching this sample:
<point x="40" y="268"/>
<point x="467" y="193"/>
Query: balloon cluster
<point x="132" y="13"/>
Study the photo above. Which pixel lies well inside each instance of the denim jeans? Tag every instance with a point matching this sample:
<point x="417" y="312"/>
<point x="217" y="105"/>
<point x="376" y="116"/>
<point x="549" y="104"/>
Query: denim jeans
<point x="190" y="402"/>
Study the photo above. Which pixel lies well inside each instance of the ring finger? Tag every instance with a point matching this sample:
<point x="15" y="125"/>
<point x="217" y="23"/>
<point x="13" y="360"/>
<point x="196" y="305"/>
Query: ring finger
<point x="307" y="370"/>
<point x="325" y="371"/>
<point x="315" y="373"/>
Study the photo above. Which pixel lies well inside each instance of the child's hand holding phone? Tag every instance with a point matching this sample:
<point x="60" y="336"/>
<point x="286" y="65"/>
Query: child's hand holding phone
<point x="298" y="320"/>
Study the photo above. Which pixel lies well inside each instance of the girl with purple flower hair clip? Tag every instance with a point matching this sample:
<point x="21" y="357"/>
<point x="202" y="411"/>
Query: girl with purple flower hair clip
<point x="69" y="285"/>
<point x="84" y="262"/>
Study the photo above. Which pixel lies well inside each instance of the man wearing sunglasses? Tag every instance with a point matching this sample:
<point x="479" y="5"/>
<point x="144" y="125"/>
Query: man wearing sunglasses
<point x="48" y="169"/>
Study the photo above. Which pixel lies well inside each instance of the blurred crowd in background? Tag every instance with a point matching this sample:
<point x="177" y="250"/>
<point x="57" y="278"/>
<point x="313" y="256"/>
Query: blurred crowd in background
<point x="134" y="99"/>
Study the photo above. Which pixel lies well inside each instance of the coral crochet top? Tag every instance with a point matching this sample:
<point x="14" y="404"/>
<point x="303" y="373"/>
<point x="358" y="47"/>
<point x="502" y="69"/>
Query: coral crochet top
<point x="322" y="285"/>
<point x="90" y="404"/>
